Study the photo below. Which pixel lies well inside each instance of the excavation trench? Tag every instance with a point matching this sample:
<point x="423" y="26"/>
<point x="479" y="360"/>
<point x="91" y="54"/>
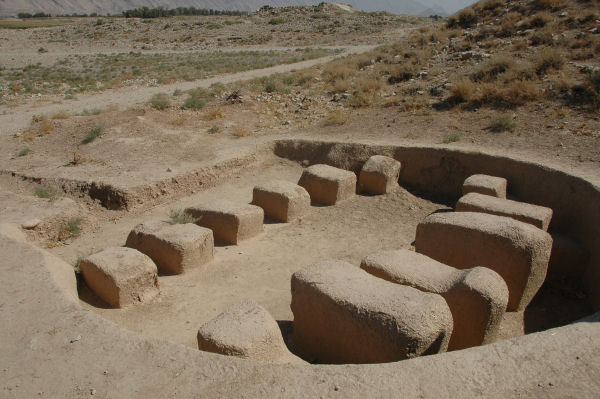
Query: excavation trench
<point x="260" y="268"/>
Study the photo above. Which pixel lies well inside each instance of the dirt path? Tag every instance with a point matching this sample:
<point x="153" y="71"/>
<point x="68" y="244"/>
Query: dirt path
<point x="125" y="97"/>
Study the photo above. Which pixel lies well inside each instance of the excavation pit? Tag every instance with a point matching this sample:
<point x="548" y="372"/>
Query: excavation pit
<point x="431" y="180"/>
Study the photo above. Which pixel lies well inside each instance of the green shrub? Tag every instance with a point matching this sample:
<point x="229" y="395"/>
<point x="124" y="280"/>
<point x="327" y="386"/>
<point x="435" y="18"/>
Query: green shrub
<point x="451" y="137"/>
<point x="276" y="21"/>
<point x="160" y="101"/>
<point x="23" y="152"/>
<point x="50" y="193"/>
<point x="194" y="101"/>
<point x="92" y="134"/>
<point x="180" y="216"/>
<point x="502" y="124"/>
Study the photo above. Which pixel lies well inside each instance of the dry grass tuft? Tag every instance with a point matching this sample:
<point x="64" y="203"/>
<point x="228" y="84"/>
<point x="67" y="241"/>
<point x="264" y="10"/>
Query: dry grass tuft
<point x="337" y="118"/>
<point x="213" y="114"/>
<point x="180" y="121"/>
<point x="241" y="131"/>
<point x="61" y="115"/>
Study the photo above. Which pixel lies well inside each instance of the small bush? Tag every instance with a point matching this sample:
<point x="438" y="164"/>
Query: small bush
<point x="46" y="127"/>
<point x="465" y="19"/>
<point x="213" y="129"/>
<point x="92" y="134"/>
<point x="548" y="60"/>
<point x="180" y="216"/>
<point x="50" y="193"/>
<point x="241" y="131"/>
<point x="547" y="4"/>
<point x="462" y="91"/>
<point x="276" y="21"/>
<point x="213" y="26"/>
<point x="194" y="101"/>
<point x="270" y="86"/>
<point x="88" y="112"/>
<point x="402" y="73"/>
<point x="542" y="38"/>
<point x="23" y="152"/>
<point x="490" y="70"/>
<point x="213" y="114"/>
<point x="502" y="124"/>
<point x="61" y="115"/>
<point x="160" y="101"/>
<point x="451" y="137"/>
<point x="178" y="122"/>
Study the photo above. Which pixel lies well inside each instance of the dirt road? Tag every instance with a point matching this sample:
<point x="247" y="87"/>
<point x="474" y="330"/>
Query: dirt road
<point x="14" y="119"/>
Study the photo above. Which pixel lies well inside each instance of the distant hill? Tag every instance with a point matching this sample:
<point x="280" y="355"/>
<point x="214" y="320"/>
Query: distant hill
<point x="61" y="7"/>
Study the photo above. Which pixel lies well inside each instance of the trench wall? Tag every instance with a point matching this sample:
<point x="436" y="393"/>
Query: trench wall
<point x="441" y="171"/>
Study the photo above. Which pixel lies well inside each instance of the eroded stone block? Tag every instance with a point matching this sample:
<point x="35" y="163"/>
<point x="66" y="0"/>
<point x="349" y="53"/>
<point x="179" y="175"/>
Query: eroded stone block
<point x="342" y="314"/>
<point x="536" y="215"/>
<point x="121" y="276"/>
<point x="248" y="331"/>
<point x="477" y="297"/>
<point x="379" y="175"/>
<point x="328" y="185"/>
<point x="174" y="248"/>
<point x="517" y="251"/>
<point x="230" y="222"/>
<point x="484" y="184"/>
<point x="281" y="200"/>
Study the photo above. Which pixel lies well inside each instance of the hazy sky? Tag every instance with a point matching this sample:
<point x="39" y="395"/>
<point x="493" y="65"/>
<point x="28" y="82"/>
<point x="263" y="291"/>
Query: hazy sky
<point x="449" y="5"/>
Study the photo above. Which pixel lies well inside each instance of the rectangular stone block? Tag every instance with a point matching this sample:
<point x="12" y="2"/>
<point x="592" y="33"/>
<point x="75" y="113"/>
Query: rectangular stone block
<point x="477" y="297"/>
<point x="344" y="315"/>
<point x="248" y="331"/>
<point x="120" y="276"/>
<point x="174" y="248"/>
<point x="484" y="184"/>
<point x="517" y="251"/>
<point x="328" y="185"/>
<point x="536" y="215"/>
<point x="230" y="222"/>
<point x="281" y="200"/>
<point x="379" y="175"/>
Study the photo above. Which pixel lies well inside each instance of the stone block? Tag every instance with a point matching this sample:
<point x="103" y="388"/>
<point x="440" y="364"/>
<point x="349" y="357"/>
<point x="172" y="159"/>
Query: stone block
<point x="174" y="248"/>
<point x="281" y="200"/>
<point x="484" y="184"/>
<point x="536" y="215"/>
<point x="342" y="314"/>
<point x="120" y="276"/>
<point x="328" y="185"/>
<point x="379" y="175"/>
<point x="248" y="331"/>
<point x="517" y="251"/>
<point x="477" y="297"/>
<point x="230" y="222"/>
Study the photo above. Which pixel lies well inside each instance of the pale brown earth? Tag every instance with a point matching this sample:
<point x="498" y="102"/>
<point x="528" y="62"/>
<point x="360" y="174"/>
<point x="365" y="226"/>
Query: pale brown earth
<point x="142" y="148"/>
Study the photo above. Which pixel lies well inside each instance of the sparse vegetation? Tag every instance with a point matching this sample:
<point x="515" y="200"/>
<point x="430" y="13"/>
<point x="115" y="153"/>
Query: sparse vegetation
<point x="502" y="124"/>
<point x="23" y="152"/>
<point x="50" y="193"/>
<point x="180" y="216"/>
<point x="160" y="101"/>
<point x="451" y="137"/>
<point x="194" y="101"/>
<point x="92" y="134"/>
<point x="336" y="118"/>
